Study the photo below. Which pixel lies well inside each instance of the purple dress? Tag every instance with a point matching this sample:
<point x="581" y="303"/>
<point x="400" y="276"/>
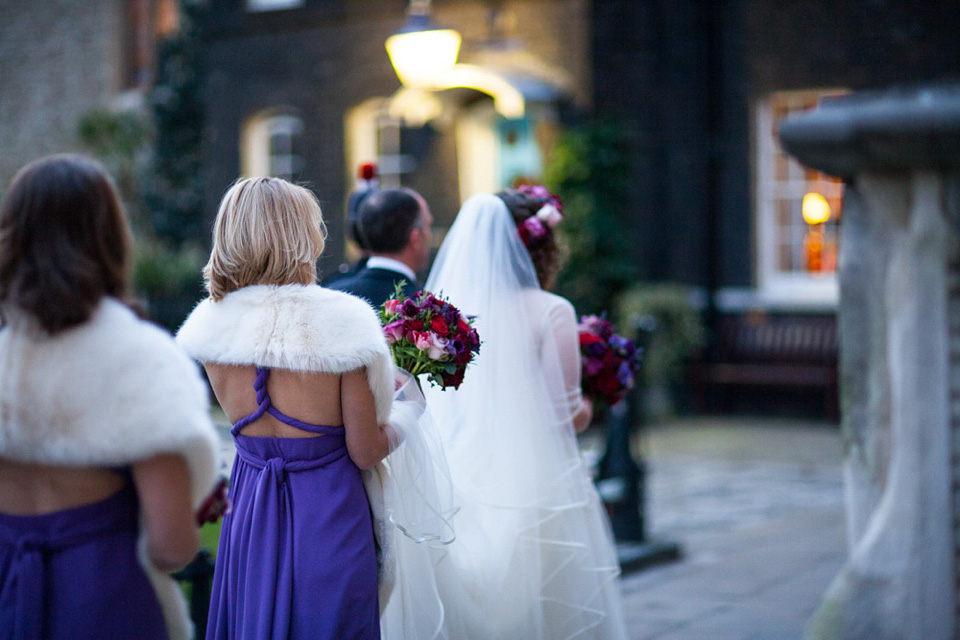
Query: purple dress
<point x="296" y="556"/>
<point x="74" y="574"/>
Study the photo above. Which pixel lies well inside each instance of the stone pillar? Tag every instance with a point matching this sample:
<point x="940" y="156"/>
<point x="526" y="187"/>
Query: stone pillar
<point x="899" y="319"/>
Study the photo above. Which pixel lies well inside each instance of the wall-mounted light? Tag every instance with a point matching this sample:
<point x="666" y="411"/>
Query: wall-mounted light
<point x="815" y="209"/>
<point x="820" y="250"/>
<point x="421" y="50"/>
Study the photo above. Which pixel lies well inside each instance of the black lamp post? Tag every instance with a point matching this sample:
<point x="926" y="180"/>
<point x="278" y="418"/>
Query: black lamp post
<point x="622" y="479"/>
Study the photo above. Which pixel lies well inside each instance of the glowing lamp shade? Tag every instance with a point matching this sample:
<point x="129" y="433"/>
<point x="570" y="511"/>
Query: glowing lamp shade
<point x="420" y="51"/>
<point x="815" y="209"/>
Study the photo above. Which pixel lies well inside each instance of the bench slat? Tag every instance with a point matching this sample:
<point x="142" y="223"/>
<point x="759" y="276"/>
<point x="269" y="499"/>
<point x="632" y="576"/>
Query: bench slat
<point x="760" y="374"/>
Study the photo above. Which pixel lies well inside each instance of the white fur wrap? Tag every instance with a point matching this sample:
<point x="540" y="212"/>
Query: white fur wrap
<point x="296" y="327"/>
<point x="110" y="392"/>
<point x="306" y="328"/>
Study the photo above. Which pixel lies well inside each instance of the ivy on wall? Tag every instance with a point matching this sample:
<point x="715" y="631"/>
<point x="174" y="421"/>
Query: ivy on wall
<point x="588" y="168"/>
<point x="154" y="154"/>
<point x="173" y="188"/>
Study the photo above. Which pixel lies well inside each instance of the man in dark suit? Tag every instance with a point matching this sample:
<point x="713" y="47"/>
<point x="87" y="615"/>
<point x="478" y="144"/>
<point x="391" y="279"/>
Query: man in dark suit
<point x="395" y="227"/>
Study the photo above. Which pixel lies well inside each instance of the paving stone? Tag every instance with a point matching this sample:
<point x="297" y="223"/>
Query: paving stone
<point x="758" y="509"/>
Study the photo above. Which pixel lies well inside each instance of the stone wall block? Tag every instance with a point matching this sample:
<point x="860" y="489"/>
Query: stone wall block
<point x="900" y="154"/>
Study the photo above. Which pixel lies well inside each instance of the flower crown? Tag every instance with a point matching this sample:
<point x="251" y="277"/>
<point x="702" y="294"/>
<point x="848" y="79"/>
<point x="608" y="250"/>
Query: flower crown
<point x="548" y="216"/>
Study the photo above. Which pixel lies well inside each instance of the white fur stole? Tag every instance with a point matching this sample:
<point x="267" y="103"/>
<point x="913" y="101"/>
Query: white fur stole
<point x="306" y="328"/>
<point x="110" y="392"/>
<point x="296" y="327"/>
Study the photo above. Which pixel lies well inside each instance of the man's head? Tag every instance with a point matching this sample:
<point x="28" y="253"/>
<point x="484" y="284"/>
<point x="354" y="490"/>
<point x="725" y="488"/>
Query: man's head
<point x="396" y="223"/>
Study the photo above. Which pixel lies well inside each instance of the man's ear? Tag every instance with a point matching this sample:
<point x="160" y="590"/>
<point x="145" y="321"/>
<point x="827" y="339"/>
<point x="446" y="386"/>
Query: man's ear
<point x="415" y="237"/>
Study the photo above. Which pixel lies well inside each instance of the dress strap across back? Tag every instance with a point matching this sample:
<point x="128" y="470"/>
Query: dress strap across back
<point x="265" y="405"/>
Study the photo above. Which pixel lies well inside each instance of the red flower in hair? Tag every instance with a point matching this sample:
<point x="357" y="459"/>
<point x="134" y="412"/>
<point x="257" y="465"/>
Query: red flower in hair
<point x="548" y="216"/>
<point x="368" y="171"/>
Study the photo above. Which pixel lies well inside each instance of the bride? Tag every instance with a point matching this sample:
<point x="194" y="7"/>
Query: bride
<point x="534" y="556"/>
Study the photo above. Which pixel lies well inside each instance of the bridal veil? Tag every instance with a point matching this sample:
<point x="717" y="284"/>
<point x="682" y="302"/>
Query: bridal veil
<point x="533" y="557"/>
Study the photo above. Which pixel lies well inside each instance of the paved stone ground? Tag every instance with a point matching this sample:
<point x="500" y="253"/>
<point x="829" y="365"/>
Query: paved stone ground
<point x="757" y="507"/>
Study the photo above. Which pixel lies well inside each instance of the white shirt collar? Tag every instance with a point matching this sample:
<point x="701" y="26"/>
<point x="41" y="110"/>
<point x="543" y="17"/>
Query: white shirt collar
<point x="381" y="262"/>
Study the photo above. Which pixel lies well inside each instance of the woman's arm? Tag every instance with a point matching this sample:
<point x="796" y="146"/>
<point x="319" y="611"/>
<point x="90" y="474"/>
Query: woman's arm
<point x="584" y="414"/>
<point x="562" y="323"/>
<point x="163" y="486"/>
<point x="367" y="442"/>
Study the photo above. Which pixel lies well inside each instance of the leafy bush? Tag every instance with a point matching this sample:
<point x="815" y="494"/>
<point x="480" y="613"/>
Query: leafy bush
<point x="587" y="168"/>
<point x="678" y="330"/>
<point x="120" y="139"/>
<point x="173" y="184"/>
<point x="168" y="280"/>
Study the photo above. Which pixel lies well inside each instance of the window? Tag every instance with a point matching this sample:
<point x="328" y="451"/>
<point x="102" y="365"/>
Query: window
<point x="284" y="144"/>
<point x="374" y="135"/>
<point x="796" y="259"/>
<point x="271" y="146"/>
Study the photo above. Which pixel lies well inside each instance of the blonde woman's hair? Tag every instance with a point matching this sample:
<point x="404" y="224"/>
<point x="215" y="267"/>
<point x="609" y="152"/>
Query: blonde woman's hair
<point x="268" y="231"/>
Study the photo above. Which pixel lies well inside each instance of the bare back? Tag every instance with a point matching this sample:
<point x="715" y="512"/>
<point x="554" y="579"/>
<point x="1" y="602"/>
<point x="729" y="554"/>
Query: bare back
<point x="307" y="396"/>
<point x="35" y="489"/>
<point x="329" y="399"/>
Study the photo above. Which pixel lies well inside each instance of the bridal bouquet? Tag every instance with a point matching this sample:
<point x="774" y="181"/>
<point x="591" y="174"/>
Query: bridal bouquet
<point x="428" y="335"/>
<point x="610" y="361"/>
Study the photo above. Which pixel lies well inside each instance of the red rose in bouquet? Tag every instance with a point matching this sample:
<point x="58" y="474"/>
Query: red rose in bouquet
<point x="429" y="336"/>
<point x="610" y="361"/>
<point x="215" y="505"/>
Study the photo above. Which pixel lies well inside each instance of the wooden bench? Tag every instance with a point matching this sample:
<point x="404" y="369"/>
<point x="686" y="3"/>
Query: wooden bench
<point x="769" y="350"/>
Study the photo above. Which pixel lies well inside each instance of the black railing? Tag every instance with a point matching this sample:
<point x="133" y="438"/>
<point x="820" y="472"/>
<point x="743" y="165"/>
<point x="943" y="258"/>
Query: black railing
<point x="199" y="576"/>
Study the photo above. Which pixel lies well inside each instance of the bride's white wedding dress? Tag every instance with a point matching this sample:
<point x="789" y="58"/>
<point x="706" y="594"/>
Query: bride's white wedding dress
<point x="533" y="556"/>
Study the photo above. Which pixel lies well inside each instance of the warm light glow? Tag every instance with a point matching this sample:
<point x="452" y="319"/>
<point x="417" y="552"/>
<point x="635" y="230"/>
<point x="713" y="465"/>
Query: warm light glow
<point x="507" y="100"/>
<point x="815" y="209"/>
<point x="417" y="105"/>
<point x="414" y="106"/>
<point x="420" y="56"/>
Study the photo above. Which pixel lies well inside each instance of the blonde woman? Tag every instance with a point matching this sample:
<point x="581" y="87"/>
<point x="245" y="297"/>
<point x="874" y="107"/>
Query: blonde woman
<point x="305" y="376"/>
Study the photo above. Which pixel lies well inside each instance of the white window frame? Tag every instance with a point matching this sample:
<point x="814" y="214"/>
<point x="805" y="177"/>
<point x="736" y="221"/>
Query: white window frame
<point x="258" y="157"/>
<point x="773" y="283"/>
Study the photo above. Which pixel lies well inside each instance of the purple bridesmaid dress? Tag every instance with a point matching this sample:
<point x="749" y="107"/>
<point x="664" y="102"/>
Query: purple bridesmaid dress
<point x="296" y="556"/>
<point x="74" y="574"/>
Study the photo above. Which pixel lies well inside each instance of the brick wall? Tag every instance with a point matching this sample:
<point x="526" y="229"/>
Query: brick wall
<point x="671" y="72"/>
<point x="851" y="43"/>
<point x="58" y="59"/>
<point x="328" y="56"/>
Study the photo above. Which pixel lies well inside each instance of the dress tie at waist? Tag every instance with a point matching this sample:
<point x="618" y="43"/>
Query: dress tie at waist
<point x="279" y="467"/>
<point x="30" y="552"/>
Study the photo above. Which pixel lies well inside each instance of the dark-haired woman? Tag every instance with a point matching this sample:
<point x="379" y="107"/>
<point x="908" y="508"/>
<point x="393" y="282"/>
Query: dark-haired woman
<point x="534" y="556"/>
<point x="106" y="445"/>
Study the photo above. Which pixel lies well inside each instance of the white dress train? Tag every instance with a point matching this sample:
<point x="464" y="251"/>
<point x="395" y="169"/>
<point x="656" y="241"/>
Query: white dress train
<point x="533" y="556"/>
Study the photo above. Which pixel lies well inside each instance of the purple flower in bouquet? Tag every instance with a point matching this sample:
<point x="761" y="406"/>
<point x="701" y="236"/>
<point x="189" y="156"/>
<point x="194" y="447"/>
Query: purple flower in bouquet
<point x="429" y="336"/>
<point x="609" y="361"/>
<point x="409" y="308"/>
<point x="394" y="331"/>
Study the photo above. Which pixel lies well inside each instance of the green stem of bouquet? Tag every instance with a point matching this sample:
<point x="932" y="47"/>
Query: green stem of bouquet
<point x="419" y="366"/>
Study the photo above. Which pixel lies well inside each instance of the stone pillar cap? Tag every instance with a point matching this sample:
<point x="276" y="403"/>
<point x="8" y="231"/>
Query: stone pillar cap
<point x="895" y="130"/>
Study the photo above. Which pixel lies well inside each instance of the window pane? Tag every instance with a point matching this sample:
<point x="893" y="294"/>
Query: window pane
<point x="280" y="144"/>
<point x="797" y="248"/>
